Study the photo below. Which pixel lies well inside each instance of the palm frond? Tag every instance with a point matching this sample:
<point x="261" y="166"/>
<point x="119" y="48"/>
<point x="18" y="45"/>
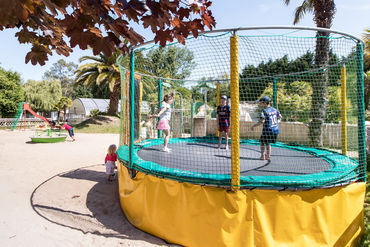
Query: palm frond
<point x="84" y="58"/>
<point x="101" y="78"/>
<point x="307" y="6"/>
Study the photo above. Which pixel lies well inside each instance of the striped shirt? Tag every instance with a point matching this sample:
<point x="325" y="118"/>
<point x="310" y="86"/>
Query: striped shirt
<point x="223" y="113"/>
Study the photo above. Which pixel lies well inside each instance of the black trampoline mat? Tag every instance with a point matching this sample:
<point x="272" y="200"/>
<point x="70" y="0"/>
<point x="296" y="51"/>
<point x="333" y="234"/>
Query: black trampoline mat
<point x="207" y="158"/>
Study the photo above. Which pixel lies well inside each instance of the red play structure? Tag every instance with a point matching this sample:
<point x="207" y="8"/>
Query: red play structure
<point x="22" y="108"/>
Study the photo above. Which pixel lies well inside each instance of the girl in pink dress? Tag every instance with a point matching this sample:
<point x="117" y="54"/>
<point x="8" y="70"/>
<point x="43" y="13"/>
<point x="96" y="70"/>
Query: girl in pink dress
<point x="164" y="115"/>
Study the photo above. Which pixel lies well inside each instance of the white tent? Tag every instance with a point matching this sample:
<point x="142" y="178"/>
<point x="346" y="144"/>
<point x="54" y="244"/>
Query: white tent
<point x="82" y="107"/>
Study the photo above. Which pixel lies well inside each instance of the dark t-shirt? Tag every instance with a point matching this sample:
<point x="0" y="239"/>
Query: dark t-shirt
<point x="271" y="116"/>
<point x="223" y="113"/>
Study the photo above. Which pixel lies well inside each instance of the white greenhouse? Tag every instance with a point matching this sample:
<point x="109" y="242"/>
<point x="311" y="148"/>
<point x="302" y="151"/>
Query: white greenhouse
<point x="81" y="107"/>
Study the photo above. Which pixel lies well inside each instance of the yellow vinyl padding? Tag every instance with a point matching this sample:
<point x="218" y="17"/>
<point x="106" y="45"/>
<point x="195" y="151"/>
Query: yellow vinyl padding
<point x="195" y="215"/>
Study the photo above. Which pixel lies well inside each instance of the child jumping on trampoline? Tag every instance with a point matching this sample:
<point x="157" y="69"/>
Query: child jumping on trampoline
<point x="110" y="162"/>
<point x="223" y="120"/>
<point x="270" y="131"/>
<point x="164" y="115"/>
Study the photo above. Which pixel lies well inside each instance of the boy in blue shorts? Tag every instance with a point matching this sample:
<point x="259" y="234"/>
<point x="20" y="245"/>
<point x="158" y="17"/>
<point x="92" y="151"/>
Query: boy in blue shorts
<point x="223" y="121"/>
<point x="270" y="131"/>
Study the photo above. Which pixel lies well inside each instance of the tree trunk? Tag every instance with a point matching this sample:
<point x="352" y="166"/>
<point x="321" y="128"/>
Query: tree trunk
<point x="324" y="13"/>
<point x="65" y="112"/>
<point x="319" y="91"/>
<point x="367" y="90"/>
<point x="114" y="98"/>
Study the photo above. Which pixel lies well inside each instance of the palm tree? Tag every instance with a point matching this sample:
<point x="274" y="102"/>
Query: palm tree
<point x="323" y="11"/>
<point x="366" y="38"/>
<point x="103" y="72"/>
<point x="367" y="89"/>
<point x="62" y="105"/>
<point x="148" y="82"/>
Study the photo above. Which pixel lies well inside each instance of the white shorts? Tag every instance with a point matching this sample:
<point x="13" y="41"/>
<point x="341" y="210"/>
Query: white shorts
<point x="109" y="167"/>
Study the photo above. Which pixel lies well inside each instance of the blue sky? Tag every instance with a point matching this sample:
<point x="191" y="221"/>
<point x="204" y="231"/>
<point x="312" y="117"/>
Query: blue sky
<point x="352" y="17"/>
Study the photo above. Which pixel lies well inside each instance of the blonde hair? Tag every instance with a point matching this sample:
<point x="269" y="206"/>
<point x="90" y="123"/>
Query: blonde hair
<point x="112" y="148"/>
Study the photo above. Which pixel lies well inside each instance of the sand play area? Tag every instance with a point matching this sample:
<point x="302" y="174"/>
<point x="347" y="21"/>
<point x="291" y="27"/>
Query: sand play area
<point x="56" y="194"/>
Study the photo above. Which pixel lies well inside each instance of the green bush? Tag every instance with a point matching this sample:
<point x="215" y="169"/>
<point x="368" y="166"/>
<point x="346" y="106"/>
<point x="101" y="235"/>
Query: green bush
<point x="295" y="99"/>
<point x="11" y="92"/>
<point x="94" y="113"/>
<point x="367" y="115"/>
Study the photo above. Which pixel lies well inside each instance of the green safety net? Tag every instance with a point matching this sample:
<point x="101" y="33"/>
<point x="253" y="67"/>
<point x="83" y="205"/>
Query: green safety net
<point x="314" y="79"/>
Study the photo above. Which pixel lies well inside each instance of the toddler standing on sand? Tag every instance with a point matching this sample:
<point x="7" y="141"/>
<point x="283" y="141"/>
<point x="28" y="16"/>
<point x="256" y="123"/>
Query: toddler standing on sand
<point x="110" y="162"/>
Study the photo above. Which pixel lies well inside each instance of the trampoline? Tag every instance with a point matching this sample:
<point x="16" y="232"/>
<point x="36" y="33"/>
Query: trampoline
<point x="198" y="160"/>
<point x="310" y="193"/>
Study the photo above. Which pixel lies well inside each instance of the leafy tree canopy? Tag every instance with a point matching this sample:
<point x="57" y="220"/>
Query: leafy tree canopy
<point x="64" y="72"/>
<point x="255" y="79"/>
<point x="11" y="92"/>
<point x="100" y="24"/>
<point x="80" y="91"/>
<point x="294" y="103"/>
<point x="43" y="95"/>
<point x="170" y="62"/>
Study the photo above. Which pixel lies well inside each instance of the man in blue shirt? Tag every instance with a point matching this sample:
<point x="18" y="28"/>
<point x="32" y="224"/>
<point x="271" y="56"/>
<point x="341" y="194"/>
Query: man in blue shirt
<point x="270" y="131"/>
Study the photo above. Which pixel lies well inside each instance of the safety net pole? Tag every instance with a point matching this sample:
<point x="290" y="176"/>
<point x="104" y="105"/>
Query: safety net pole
<point x="159" y="100"/>
<point x="139" y="107"/>
<point x="132" y="107"/>
<point x="121" y="114"/>
<point x="361" y="109"/>
<point x="344" y="109"/>
<point x="191" y="118"/>
<point x="274" y="85"/>
<point x="123" y="99"/>
<point x="218" y="101"/>
<point x="234" y="93"/>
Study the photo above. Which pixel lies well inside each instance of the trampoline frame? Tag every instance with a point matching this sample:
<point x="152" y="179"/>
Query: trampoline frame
<point x="343" y="168"/>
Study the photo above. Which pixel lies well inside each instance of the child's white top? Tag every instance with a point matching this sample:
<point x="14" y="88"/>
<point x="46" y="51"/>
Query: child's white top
<point x="167" y="113"/>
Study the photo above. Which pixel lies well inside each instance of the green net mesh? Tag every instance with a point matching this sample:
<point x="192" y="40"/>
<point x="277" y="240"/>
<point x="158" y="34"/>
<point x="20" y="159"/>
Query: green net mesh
<point x="312" y="78"/>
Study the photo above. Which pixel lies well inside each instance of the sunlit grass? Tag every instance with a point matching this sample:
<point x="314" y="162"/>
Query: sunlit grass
<point x="99" y="124"/>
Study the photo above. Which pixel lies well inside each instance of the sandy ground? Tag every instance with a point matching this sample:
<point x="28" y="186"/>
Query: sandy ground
<point x="57" y="195"/>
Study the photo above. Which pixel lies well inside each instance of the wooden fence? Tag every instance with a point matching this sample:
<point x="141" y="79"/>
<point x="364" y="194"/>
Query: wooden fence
<point x="28" y="123"/>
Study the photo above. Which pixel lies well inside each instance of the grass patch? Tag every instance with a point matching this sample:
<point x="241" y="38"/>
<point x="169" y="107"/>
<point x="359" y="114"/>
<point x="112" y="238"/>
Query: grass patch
<point x="99" y="124"/>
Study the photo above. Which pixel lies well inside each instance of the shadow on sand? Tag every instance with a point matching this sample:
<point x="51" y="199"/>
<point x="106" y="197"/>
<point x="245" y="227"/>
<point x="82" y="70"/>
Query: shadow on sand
<point x="84" y="200"/>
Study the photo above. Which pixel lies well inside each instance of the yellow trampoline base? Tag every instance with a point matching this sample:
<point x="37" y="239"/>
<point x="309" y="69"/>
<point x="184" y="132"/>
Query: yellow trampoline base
<point x="194" y="215"/>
